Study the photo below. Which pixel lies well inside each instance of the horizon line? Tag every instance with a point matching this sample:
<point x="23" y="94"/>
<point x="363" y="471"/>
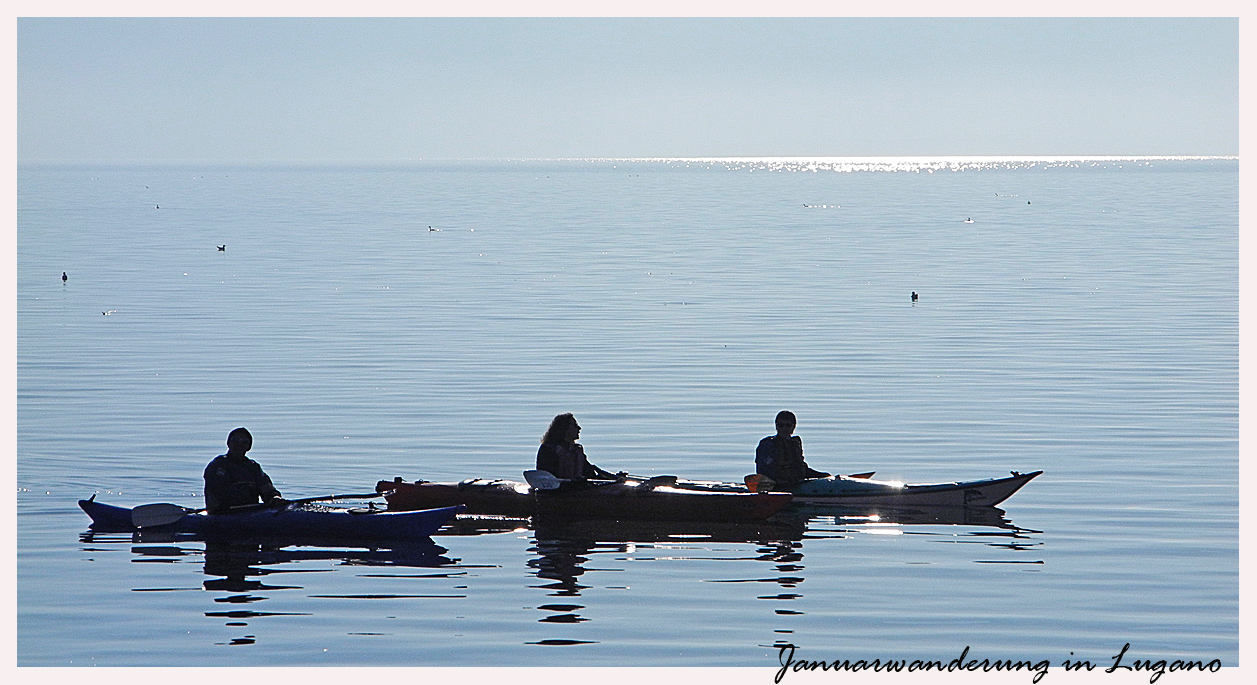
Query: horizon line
<point x="739" y="159"/>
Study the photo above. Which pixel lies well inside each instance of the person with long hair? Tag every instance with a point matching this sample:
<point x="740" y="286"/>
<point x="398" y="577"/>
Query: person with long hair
<point x="562" y="456"/>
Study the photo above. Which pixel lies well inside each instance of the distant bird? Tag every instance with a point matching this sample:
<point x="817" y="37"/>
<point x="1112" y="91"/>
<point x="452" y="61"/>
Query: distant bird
<point x="1027" y="202"/>
<point x="969" y="220"/>
<point x="156" y="206"/>
<point x="222" y="248"/>
<point x="434" y="230"/>
<point x="64" y="277"/>
<point x="914" y="296"/>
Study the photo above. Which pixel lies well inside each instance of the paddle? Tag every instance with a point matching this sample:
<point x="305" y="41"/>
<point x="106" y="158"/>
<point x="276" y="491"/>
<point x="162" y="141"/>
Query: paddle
<point x="163" y="514"/>
<point x="656" y="481"/>
<point x="542" y="480"/>
<point x="757" y="481"/>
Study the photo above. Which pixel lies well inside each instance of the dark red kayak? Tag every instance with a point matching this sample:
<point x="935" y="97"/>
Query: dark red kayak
<point x="480" y="496"/>
<point x="634" y="500"/>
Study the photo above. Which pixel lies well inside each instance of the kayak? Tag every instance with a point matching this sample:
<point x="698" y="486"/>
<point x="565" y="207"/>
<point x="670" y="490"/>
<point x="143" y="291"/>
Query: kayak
<point x="311" y="520"/>
<point x="844" y="491"/>
<point x="632" y="499"/>
<point x="478" y="495"/>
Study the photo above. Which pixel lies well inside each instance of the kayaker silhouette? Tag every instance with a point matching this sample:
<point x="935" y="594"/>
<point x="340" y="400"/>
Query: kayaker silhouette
<point x="563" y="457"/>
<point x="780" y="456"/>
<point x="234" y="480"/>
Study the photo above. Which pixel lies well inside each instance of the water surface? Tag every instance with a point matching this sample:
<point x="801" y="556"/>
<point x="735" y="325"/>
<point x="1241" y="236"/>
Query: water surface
<point x="428" y="321"/>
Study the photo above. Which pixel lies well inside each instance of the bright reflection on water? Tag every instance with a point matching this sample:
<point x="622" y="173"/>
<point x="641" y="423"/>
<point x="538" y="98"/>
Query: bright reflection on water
<point x="928" y="165"/>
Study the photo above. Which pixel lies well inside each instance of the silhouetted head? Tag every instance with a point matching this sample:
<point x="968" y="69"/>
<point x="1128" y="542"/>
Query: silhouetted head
<point x="786" y="422"/>
<point x="562" y="429"/>
<point x="239" y="441"/>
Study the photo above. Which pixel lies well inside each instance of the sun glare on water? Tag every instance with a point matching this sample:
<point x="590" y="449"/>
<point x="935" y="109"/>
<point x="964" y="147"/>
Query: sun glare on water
<point x="899" y="164"/>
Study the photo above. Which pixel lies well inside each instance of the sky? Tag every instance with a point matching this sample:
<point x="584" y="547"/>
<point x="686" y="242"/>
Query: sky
<point x="254" y="90"/>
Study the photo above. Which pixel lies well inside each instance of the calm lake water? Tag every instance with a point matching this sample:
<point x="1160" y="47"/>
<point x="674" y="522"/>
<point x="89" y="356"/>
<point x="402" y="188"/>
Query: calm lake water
<point x="428" y="321"/>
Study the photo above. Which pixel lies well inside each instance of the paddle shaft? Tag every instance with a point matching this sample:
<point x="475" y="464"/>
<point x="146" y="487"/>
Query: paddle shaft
<point x="363" y="495"/>
<point x="152" y="515"/>
<point x="757" y="482"/>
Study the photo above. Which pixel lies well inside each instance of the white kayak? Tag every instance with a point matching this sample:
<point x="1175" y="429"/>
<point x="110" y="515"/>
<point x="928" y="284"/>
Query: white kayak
<point x="846" y="491"/>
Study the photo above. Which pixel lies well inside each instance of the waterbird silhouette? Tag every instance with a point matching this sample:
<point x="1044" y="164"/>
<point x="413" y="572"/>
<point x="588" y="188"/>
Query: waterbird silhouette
<point x="64" y="277"/>
<point x="914" y="296"/>
<point x="222" y="248"/>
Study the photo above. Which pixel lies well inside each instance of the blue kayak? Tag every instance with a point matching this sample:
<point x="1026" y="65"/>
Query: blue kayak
<point x="305" y="520"/>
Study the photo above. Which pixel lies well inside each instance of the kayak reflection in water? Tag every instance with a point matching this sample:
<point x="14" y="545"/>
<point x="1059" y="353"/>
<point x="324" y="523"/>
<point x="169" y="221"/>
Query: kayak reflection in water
<point x="234" y="480"/>
<point x="780" y="456"/>
<point x="562" y="456"/>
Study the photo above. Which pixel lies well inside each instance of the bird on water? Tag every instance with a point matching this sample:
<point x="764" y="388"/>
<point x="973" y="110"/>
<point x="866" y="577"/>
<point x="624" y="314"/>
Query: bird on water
<point x="222" y="248"/>
<point x="64" y="277"/>
<point x="914" y="296"/>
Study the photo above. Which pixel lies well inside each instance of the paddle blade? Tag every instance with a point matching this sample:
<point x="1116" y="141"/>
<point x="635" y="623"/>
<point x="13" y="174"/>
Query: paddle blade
<point x="153" y="515"/>
<point x="862" y="475"/>
<point x="542" y="480"/>
<point x="758" y="482"/>
<point x="656" y="481"/>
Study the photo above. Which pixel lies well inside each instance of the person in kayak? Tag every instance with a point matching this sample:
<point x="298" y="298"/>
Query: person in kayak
<point x="234" y="480"/>
<point x="562" y="456"/>
<point x="780" y="456"/>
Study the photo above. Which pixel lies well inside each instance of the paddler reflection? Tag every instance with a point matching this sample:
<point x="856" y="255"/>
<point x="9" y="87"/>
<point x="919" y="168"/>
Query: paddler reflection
<point x="236" y="563"/>
<point x="561" y="561"/>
